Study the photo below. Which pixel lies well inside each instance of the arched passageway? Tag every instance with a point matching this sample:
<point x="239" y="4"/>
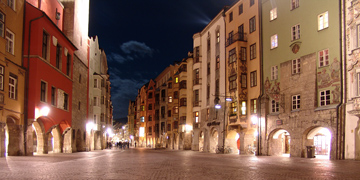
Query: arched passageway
<point x="279" y="143"/>
<point x="12" y="138"/>
<point x="214" y="136"/>
<point x="320" y="138"/>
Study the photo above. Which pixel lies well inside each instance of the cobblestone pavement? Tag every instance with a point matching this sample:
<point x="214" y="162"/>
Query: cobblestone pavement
<point x="167" y="164"/>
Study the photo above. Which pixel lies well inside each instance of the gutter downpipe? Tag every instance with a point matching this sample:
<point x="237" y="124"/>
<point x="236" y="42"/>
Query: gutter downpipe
<point x="261" y="79"/>
<point x="344" y="73"/>
<point x="27" y="81"/>
<point x="225" y="103"/>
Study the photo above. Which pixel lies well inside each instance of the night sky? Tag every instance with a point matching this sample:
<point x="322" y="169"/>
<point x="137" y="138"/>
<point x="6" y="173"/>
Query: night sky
<point x="142" y="37"/>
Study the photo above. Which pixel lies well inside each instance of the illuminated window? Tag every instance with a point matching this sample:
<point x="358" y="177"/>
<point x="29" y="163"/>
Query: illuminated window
<point x="274" y="106"/>
<point x="274" y="41"/>
<point x="233" y="108"/>
<point x="176" y="80"/>
<point x="323" y="21"/>
<point x="12" y="86"/>
<point x="273" y="14"/>
<point x="217" y="37"/>
<point x="142" y="119"/>
<point x="294" y="4"/>
<point x="253" y="106"/>
<point x="324" y="98"/>
<point x="243" y="107"/>
<point x="43" y="87"/>
<point x="170" y="99"/>
<point x="2" y="24"/>
<point x="10" y="38"/>
<point x="196" y="116"/>
<point x="323" y="58"/>
<point x="176" y="110"/>
<point x="2" y="70"/>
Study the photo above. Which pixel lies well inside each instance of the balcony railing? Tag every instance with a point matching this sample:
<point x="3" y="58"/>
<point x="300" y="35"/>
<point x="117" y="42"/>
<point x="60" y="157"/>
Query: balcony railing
<point x="197" y="81"/>
<point x="236" y="37"/>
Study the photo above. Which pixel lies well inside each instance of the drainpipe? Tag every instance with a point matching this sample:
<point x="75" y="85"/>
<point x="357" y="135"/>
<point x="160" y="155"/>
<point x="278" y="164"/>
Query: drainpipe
<point x="225" y="120"/>
<point x="343" y="70"/>
<point x="261" y="79"/>
<point x="27" y="81"/>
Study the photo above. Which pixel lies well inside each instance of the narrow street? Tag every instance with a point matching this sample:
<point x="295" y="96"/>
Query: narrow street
<point x="167" y="164"/>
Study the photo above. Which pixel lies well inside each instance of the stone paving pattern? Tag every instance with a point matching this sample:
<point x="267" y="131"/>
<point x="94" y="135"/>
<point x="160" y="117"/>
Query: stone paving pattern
<point x="143" y="163"/>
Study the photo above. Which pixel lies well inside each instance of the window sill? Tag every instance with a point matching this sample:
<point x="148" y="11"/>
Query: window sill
<point x="274" y="113"/>
<point x="333" y="106"/>
<point x="295" y="110"/>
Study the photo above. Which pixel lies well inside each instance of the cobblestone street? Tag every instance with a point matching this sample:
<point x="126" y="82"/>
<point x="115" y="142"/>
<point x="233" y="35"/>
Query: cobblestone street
<point x="166" y="164"/>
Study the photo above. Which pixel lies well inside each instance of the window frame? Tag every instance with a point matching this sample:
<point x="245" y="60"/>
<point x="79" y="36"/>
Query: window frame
<point x="11" y="4"/>
<point x="53" y="96"/>
<point x="274" y="41"/>
<point x="295" y="102"/>
<point x="13" y="87"/>
<point x="323" y="57"/>
<point x="2" y="80"/>
<point x="253" y="79"/>
<point x="273" y="14"/>
<point x="295" y="66"/>
<point x="241" y="9"/>
<point x="243" y="81"/>
<point x="10" y="42"/>
<point x="253" y="51"/>
<point x="274" y="72"/>
<point x="253" y="106"/>
<point x="58" y="56"/>
<point x="275" y="106"/>
<point x="2" y="24"/>
<point x="43" y="91"/>
<point x="232" y="82"/>
<point x="232" y="55"/>
<point x="325" y="97"/>
<point x="294" y="4"/>
<point x="295" y="32"/>
<point x="45" y="45"/>
<point x="323" y="20"/>
<point x="252" y="24"/>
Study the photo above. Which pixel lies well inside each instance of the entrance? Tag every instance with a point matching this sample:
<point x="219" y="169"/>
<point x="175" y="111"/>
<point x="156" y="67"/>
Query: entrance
<point x="279" y="143"/>
<point x="321" y="139"/>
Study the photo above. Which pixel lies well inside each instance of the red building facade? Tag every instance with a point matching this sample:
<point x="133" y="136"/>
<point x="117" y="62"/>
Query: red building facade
<point x="48" y="58"/>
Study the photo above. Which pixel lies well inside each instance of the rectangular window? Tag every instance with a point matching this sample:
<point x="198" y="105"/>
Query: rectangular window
<point x="208" y="44"/>
<point x="150" y="117"/>
<point x="295" y="102"/>
<point x="243" y="81"/>
<point x="10" y="39"/>
<point x="252" y="24"/>
<point x="253" y="106"/>
<point x="2" y="24"/>
<point x="169" y="113"/>
<point x="2" y="70"/>
<point x="170" y="99"/>
<point x="296" y="66"/>
<point x="295" y="32"/>
<point x="243" y="53"/>
<point x="176" y="110"/>
<point x="66" y="101"/>
<point x="253" y="79"/>
<point x="96" y="101"/>
<point x="96" y="84"/>
<point x="233" y="108"/>
<point x="274" y="106"/>
<point x="58" y="56"/>
<point x="243" y="108"/>
<point x="273" y="14"/>
<point x="208" y="68"/>
<point x="43" y="87"/>
<point x="196" y="116"/>
<point x="323" y="58"/>
<point x="150" y="107"/>
<point x="196" y="98"/>
<point x="274" y="72"/>
<point x="182" y="85"/>
<point x="150" y="96"/>
<point x="232" y="56"/>
<point x="324" y="98"/>
<point x="176" y="95"/>
<point x="274" y="41"/>
<point x="323" y="20"/>
<point x="232" y="82"/>
<point x="45" y="43"/>
<point x="169" y="85"/>
<point x="142" y="119"/>
<point x="142" y="108"/>
<point x="252" y="51"/>
<point x="11" y="3"/>
<point x="230" y="16"/>
<point x="177" y="80"/>
<point x="68" y="64"/>
<point x="53" y="97"/>
<point x="217" y="62"/>
<point x="252" y="2"/>
<point x="217" y="37"/>
<point x="183" y="102"/>
<point x="12" y="87"/>
<point x="294" y="4"/>
<point x="196" y="77"/>
<point x="241" y="9"/>
<point x="162" y="111"/>
<point x="208" y="91"/>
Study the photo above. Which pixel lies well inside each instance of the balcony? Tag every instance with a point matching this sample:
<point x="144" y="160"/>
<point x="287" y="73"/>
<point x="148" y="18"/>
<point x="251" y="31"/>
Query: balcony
<point x="236" y="37"/>
<point x="196" y="81"/>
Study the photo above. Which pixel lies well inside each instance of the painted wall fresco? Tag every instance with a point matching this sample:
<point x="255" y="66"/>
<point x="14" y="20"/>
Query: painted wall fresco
<point x="329" y="78"/>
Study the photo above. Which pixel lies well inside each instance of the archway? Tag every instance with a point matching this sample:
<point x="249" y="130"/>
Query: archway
<point x="201" y="141"/>
<point x="50" y="142"/>
<point x="39" y="142"/>
<point x="12" y="138"/>
<point x="320" y="138"/>
<point x="233" y="142"/>
<point x="279" y="143"/>
<point x="214" y="136"/>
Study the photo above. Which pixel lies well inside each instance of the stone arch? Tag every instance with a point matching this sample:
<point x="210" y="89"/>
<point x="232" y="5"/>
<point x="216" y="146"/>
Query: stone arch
<point x="56" y="141"/>
<point x="214" y="140"/>
<point x="232" y="140"/>
<point x="321" y="138"/>
<point x="201" y="141"/>
<point x="40" y="137"/>
<point x="79" y="142"/>
<point x="13" y="137"/>
<point x="279" y="142"/>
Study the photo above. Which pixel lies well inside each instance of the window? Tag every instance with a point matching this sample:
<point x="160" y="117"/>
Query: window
<point x="170" y="99"/>
<point x="295" y="32"/>
<point x="95" y="118"/>
<point x="197" y="54"/>
<point x="2" y="24"/>
<point x="79" y="78"/>
<point x="43" y="88"/>
<point x="243" y="81"/>
<point x="177" y="80"/>
<point x="208" y="44"/>
<point x="217" y="37"/>
<point x="11" y="3"/>
<point x="243" y="108"/>
<point x="196" y="98"/>
<point x="45" y="44"/>
<point x="142" y="119"/>
<point x="208" y="68"/>
<point x="274" y="106"/>
<point x="150" y="96"/>
<point x="243" y="53"/>
<point x="163" y="98"/>
<point x="96" y="103"/>
<point x="182" y="85"/>
<point x="273" y="14"/>
<point x="232" y="56"/>
<point x="232" y="80"/>
<point x="253" y="106"/>
<point x="12" y="87"/>
<point x="217" y="62"/>
<point x="96" y="85"/>
<point x="150" y="107"/>
<point x="176" y="95"/>
<point x="169" y="85"/>
<point x="208" y="91"/>
<point x="150" y="117"/>
<point x="217" y="87"/>
<point x="295" y="66"/>
<point x="231" y="35"/>
<point x="196" y="76"/>
<point x="274" y="72"/>
<point x="295" y="102"/>
<point x="79" y="105"/>
<point x="58" y="56"/>
<point x="176" y="110"/>
<point x="169" y="113"/>
<point x="233" y="108"/>
<point x="323" y="58"/>
<point x="274" y="41"/>
<point x="252" y="24"/>
<point x="294" y="4"/>
<point x="230" y="16"/>
<point x="142" y="108"/>
<point x="323" y="21"/>
<point x="53" y="97"/>
<point x="63" y="99"/>
<point x="241" y="9"/>
<point x="196" y="116"/>
<point x="253" y="79"/>
<point x="162" y="111"/>
<point x="2" y="70"/>
<point x="252" y="51"/>
<point x="68" y="64"/>
<point x="252" y="2"/>
<point x="10" y="38"/>
<point x="324" y="98"/>
<point x="183" y="102"/>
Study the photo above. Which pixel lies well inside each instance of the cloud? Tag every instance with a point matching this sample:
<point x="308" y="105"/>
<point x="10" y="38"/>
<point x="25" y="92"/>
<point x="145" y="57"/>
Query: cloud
<point x="115" y="57"/>
<point x="137" y="48"/>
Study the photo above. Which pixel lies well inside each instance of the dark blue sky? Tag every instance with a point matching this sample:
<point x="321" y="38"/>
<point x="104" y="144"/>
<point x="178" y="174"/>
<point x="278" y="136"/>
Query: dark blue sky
<point x="142" y="37"/>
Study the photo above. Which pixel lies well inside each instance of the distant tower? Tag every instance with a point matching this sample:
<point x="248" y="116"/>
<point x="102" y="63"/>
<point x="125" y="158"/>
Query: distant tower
<point x="76" y="28"/>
